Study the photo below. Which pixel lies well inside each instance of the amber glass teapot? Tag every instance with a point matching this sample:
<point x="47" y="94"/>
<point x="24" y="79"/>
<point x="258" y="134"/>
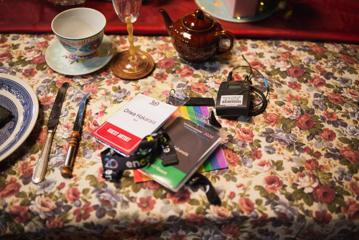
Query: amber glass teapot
<point x="197" y="37"/>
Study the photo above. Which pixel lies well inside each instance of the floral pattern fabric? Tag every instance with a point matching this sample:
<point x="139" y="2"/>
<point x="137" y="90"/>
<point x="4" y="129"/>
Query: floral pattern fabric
<point x="293" y="170"/>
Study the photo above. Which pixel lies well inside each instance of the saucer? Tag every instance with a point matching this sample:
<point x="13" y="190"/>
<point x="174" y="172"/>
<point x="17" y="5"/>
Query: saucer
<point x="61" y="61"/>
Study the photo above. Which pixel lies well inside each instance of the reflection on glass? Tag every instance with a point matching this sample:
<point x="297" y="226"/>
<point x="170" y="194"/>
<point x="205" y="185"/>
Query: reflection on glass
<point x="125" y="9"/>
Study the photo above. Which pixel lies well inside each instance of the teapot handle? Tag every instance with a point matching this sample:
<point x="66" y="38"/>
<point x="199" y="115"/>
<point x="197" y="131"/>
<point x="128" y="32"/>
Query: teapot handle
<point x="225" y="35"/>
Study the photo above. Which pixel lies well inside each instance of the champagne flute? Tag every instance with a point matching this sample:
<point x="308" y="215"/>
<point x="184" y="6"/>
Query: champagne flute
<point x="133" y="63"/>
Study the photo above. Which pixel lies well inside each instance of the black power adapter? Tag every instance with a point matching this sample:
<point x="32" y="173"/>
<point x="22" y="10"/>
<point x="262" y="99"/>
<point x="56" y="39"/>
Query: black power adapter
<point x="233" y="99"/>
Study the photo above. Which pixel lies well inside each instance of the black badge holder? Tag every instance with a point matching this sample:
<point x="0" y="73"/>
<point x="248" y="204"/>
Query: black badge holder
<point x="177" y="99"/>
<point x="199" y="101"/>
<point x="182" y="100"/>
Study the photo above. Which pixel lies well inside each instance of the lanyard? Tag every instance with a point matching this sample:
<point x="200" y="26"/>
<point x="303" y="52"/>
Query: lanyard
<point x="153" y="145"/>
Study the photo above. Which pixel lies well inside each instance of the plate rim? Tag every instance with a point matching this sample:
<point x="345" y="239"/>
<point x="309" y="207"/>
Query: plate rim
<point x="259" y="17"/>
<point x="54" y="68"/>
<point x="35" y="112"/>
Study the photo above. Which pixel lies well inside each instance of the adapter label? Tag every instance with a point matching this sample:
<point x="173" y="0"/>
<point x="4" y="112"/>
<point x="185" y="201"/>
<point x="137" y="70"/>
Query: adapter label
<point x="231" y="100"/>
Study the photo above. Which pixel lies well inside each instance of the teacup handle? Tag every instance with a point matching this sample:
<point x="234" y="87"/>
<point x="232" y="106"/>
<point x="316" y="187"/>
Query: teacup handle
<point x="224" y="35"/>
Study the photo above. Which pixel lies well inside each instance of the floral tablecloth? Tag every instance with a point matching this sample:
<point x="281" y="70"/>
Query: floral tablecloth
<point x="293" y="171"/>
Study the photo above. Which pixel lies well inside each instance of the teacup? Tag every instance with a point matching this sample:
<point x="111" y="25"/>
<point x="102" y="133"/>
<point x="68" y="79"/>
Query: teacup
<point x="79" y="30"/>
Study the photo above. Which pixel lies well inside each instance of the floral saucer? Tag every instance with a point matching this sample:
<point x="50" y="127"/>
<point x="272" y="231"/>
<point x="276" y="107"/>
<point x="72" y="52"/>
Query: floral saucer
<point x="63" y="62"/>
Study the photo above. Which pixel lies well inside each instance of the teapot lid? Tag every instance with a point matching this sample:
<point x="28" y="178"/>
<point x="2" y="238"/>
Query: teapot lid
<point x="198" y="21"/>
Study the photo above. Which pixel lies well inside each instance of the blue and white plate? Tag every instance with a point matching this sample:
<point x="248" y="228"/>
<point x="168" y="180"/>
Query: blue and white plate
<point x="19" y="98"/>
<point x="218" y="9"/>
<point x="61" y="61"/>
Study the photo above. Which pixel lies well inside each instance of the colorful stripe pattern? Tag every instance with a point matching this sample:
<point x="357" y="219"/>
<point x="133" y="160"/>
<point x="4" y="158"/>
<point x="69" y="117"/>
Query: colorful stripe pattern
<point x="215" y="162"/>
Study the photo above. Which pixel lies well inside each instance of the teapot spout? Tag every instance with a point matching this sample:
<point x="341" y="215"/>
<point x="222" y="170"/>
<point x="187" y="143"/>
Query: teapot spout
<point x="167" y="19"/>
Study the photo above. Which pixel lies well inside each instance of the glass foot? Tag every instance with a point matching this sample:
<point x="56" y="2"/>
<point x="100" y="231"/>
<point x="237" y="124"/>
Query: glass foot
<point x="139" y="67"/>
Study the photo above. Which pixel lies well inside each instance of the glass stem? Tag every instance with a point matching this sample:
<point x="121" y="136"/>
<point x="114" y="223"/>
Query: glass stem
<point x="130" y="38"/>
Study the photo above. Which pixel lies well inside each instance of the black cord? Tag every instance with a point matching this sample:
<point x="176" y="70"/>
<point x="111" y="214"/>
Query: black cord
<point x="256" y="111"/>
<point x="251" y="74"/>
<point x="259" y="108"/>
